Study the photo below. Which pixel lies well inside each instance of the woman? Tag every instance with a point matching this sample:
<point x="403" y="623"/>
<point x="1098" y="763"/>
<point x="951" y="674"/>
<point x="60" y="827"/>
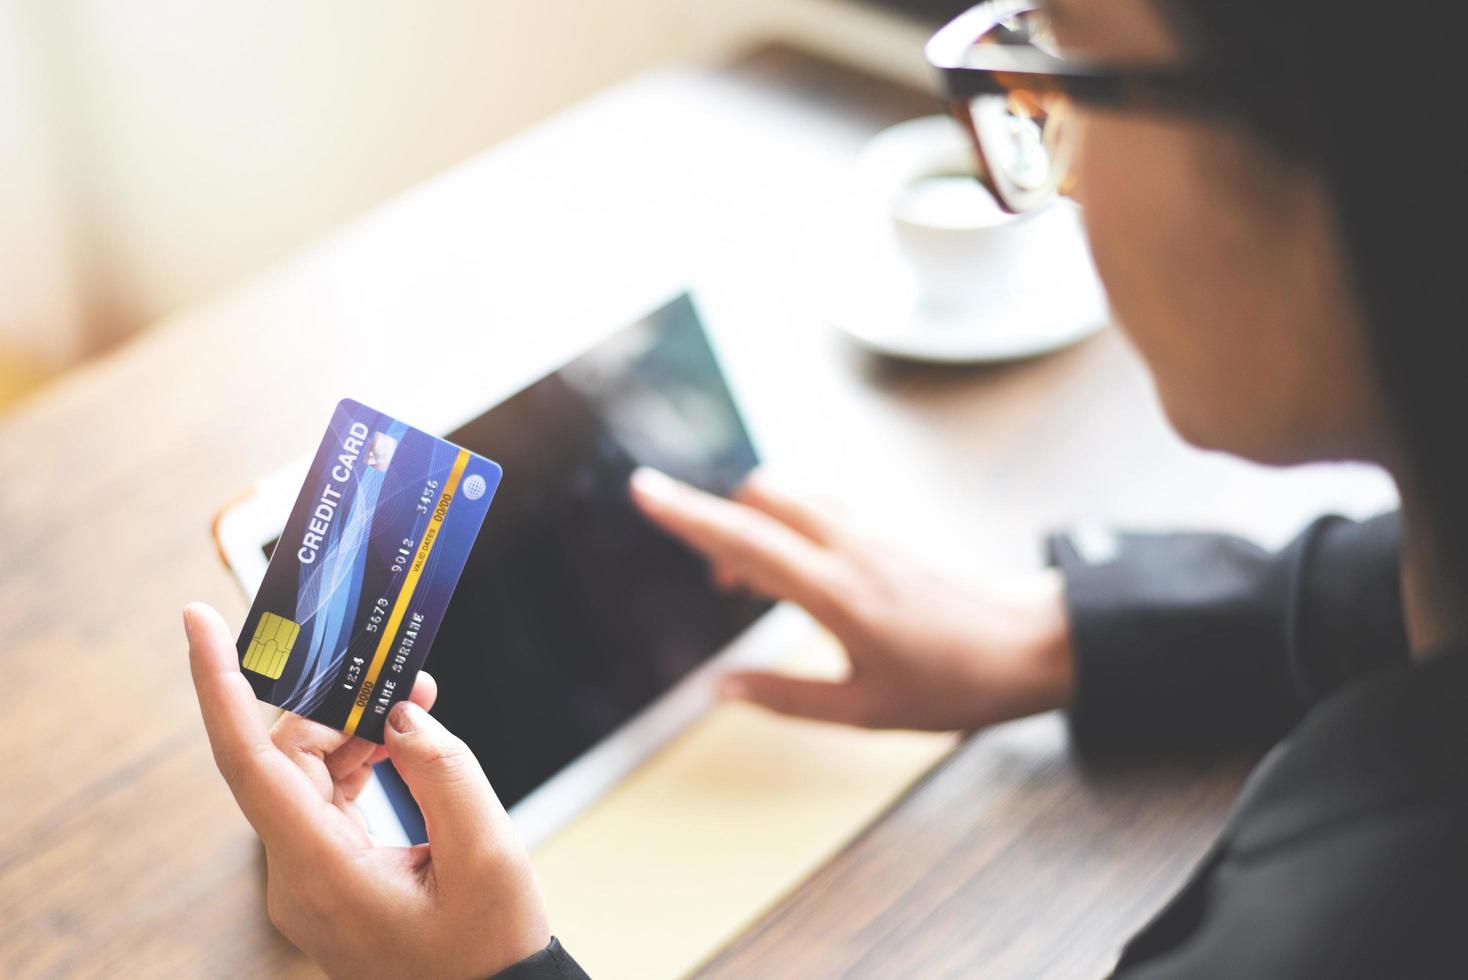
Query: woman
<point x="1272" y="222"/>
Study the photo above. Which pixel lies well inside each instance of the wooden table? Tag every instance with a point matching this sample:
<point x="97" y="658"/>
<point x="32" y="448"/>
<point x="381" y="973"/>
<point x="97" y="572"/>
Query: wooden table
<point x="121" y="852"/>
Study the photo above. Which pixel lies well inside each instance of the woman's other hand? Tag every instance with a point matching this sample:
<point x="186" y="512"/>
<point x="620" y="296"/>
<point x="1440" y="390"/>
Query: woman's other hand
<point x="465" y="904"/>
<point x="925" y="653"/>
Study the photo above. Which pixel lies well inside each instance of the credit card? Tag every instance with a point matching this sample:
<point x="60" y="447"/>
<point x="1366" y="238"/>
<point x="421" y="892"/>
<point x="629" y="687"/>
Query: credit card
<point x="362" y="575"/>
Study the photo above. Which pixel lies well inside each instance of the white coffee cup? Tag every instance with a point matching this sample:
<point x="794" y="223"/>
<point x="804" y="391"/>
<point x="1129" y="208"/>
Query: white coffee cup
<point x="958" y="244"/>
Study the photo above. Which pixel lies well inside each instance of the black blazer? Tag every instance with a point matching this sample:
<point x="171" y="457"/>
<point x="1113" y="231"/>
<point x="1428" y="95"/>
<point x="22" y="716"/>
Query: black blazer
<point x="1346" y="854"/>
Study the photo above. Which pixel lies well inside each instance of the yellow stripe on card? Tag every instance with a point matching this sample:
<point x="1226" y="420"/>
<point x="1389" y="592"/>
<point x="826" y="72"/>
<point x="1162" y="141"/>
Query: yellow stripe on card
<point x="405" y="594"/>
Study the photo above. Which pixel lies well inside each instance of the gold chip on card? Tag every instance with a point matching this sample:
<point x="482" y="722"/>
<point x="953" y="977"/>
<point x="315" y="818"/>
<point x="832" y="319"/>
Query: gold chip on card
<point x="270" y="647"/>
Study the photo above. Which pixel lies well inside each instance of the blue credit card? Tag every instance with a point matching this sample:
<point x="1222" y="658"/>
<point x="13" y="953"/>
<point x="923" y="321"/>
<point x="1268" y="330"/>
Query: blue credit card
<point x="361" y="577"/>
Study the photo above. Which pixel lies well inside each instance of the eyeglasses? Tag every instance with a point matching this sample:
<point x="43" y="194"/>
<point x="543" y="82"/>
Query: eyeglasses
<point x="1009" y="87"/>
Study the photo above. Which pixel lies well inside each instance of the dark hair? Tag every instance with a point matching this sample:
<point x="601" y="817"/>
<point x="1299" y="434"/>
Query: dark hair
<point x="1377" y="103"/>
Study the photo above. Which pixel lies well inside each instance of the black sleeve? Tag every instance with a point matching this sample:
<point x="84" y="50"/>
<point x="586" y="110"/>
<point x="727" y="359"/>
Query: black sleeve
<point x="1203" y="640"/>
<point x="551" y="963"/>
<point x="1376" y="895"/>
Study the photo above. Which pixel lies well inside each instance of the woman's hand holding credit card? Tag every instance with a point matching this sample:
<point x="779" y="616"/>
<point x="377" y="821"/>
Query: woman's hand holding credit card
<point x="350" y="603"/>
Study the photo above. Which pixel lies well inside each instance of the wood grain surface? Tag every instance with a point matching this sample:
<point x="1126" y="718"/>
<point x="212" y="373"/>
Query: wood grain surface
<point x="122" y="853"/>
<point x="1011" y="860"/>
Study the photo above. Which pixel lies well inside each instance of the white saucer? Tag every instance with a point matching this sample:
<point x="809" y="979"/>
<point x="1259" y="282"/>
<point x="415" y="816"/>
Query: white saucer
<point x="1045" y="299"/>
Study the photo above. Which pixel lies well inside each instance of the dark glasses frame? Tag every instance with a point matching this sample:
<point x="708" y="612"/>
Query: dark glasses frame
<point x="971" y="66"/>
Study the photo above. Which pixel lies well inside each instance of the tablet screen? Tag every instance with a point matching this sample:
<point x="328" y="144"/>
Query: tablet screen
<point x="574" y="613"/>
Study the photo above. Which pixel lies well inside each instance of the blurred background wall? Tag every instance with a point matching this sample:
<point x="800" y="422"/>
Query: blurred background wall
<point x="153" y="152"/>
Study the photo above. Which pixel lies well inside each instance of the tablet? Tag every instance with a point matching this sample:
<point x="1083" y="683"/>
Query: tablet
<point x="580" y="637"/>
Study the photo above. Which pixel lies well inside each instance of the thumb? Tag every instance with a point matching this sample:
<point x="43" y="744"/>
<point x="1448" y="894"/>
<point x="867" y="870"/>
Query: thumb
<point x="464" y="818"/>
<point x="839" y="702"/>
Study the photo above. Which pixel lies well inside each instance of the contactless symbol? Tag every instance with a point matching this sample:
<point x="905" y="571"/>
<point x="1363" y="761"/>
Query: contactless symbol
<point x="474" y="487"/>
<point x="270" y="647"/>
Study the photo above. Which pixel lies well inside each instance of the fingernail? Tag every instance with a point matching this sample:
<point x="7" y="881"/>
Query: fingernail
<point x="404" y="717"/>
<point x="188" y="625"/>
<point x="733" y="687"/>
<point x="653" y="483"/>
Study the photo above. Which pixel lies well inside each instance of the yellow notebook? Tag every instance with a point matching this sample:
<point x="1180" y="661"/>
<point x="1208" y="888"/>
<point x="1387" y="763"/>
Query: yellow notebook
<point x="707" y="835"/>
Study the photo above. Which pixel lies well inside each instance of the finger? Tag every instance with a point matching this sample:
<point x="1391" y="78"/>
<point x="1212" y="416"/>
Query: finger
<point x="819" y="700"/>
<point x="746" y="544"/>
<point x="352" y="754"/>
<point x="463" y="817"/>
<point x="301" y="738"/>
<point x="226" y="699"/>
<point x="350" y="784"/>
<point x="425" y="691"/>
<point x="275" y="796"/>
<point x="725" y="579"/>
<point x="763" y="494"/>
<point x="345" y="804"/>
